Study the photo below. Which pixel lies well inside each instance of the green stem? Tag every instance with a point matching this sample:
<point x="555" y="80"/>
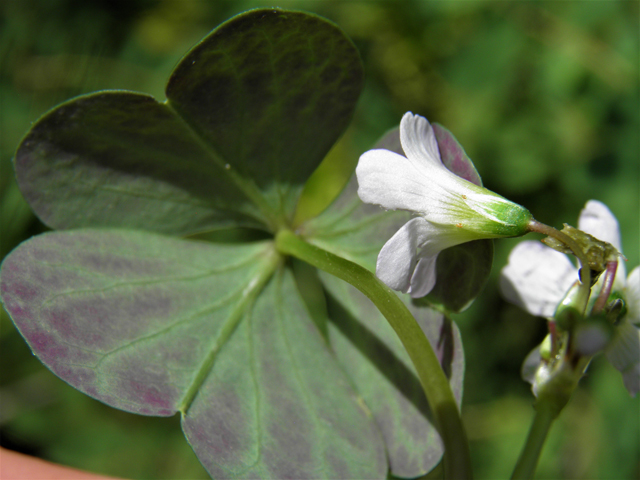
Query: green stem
<point x="457" y="459"/>
<point x="271" y="261"/>
<point x="585" y="271"/>
<point x="546" y="413"/>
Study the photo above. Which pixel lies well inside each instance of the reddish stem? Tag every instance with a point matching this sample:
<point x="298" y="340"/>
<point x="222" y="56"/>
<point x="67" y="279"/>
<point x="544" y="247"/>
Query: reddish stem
<point x="607" y="285"/>
<point x="553" y="331"/>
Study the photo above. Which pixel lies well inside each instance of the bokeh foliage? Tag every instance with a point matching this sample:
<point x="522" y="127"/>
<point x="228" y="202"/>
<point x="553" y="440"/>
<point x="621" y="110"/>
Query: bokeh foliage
<point x="542" y="95"/>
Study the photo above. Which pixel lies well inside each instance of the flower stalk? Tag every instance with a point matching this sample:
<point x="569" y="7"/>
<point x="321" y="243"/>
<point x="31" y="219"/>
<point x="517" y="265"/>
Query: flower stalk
<point x="537" y="277"/>
<point x="457" y="459"/>
<point x="585" y="272"/>
<point x="545" y="415"/>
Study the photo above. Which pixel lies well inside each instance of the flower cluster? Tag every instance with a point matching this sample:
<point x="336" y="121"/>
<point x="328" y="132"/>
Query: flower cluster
<point x="537" y="278"/>
<point x="449" y="209"/>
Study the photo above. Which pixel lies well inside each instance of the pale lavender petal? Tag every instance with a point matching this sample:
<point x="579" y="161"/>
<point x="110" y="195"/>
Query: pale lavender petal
<point x="632" y="297"/>
<point x="631" y="379"/>
<point x="424" y="276"/>
<point x="537" y="278"/>
<point x="591" y="338"/>
<point x="596" y="219"/>
<point x="421" y="241"/>
<point x="436" y="237"/>
<point x="398" y="257"/>
<point x="453" y="155"/>
<point x="624" y="354"/>
<point x="530" y="365"/>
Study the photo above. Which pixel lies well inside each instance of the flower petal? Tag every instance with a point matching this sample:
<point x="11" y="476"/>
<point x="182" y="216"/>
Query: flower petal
<point x="419" y="140"/>
<point x="632" y="297"/>
<point x="596" y="219"/>
<point x="530" y="365"/>
<point x="407" y="262"/>
<point x="453" y="155"/>
<point x="421" y="183"/>
<point x="537" y="278"/>
<point x="424" y="276"/>
<point x="398" y="257"/>
<point x="624" y="354"/>
<point x="391" y="181"/>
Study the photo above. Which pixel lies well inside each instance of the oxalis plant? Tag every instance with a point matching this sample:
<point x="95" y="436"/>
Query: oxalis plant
<point x="288" y="353"/>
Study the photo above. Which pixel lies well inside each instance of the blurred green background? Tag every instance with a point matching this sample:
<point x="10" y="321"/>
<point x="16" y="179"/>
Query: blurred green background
<point x="544" y="98"/>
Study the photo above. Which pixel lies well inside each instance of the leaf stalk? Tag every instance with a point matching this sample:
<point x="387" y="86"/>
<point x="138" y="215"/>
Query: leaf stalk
<point x="457" y="458"/>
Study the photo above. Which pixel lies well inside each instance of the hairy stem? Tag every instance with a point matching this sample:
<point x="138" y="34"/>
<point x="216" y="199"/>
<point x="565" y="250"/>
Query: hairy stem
<point x="457" y="460"/>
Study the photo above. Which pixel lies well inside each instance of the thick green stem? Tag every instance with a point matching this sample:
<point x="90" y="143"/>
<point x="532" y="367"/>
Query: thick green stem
<point x="457" y="460"/>
<point x="546" y="413"/>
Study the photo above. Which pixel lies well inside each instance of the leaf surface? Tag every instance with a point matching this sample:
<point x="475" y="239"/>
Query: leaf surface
<point x="277" y="405"/>
<point x="122" y="159"/>
<point x="155" y="325"/>
<point x="129" y="318"/>
<point x="366" y="345"/>
<point x="271" y="91"/>
<point x="251" y="112"/>
<point x="374" y="358"/>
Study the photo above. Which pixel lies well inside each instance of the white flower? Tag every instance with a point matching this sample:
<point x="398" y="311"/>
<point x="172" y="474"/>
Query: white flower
<point x="450" y="210"/>
<point x="537" y="278"/>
